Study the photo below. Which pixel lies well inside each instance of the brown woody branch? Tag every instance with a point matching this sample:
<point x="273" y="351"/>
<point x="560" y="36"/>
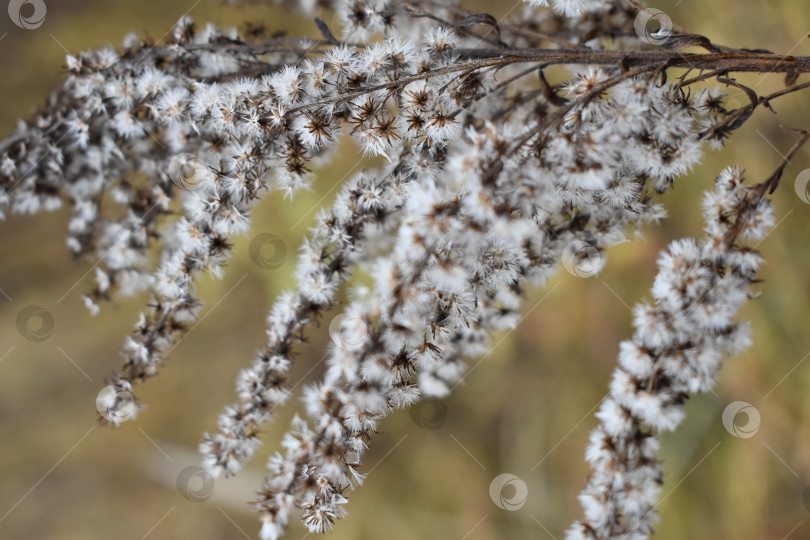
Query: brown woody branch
<point x="734" y="61"/>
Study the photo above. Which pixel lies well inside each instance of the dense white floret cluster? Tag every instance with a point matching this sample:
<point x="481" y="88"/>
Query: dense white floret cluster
<point x="677" y="349"/>
<point x="571" y="8"/>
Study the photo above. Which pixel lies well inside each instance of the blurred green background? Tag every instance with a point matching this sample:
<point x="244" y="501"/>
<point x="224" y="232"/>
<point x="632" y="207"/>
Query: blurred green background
<point x="526" y="410"/>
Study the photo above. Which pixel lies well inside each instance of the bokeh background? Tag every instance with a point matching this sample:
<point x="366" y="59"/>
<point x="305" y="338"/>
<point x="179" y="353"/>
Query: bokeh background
<point x="526" y="410"/>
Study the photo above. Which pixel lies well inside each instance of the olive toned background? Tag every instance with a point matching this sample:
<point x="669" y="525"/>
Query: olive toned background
<point x="526" y="409"/>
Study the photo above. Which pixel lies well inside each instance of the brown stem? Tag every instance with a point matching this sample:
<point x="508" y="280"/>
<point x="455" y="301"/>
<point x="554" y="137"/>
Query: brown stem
<point x="739" y="61"/>
<point x="642" y="60"/>
<point x="768" y="186"/>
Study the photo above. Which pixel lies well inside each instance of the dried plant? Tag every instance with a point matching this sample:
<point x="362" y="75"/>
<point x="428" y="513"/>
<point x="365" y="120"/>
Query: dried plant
<point x="495" y="176"/>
